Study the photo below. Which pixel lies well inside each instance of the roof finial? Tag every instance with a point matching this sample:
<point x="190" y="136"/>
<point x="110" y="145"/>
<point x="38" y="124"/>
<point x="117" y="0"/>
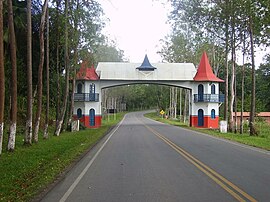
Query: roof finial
<point x="146" y="66"/>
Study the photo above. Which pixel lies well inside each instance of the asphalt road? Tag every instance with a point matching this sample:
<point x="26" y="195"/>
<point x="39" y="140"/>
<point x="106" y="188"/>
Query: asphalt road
<point x="143" y="160"/>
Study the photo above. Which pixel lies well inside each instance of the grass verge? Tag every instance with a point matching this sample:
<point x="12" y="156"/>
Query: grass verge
<point x="29" y="170"/>
<point x="262" y="141"/>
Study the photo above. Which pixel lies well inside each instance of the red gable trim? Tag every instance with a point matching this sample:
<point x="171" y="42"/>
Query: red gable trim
<point x="86" y="73"/>
<point x="205" y="72"/>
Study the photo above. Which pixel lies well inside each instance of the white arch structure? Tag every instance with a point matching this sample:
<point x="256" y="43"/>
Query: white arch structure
<point x="204" y="101"/>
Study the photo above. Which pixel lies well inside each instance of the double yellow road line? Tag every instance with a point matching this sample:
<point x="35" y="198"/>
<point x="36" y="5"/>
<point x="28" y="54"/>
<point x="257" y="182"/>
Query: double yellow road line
<point x="232" y="189"/>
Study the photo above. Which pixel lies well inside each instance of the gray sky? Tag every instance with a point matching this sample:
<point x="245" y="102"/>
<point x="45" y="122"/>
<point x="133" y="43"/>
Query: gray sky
<point x="136" y="26"/>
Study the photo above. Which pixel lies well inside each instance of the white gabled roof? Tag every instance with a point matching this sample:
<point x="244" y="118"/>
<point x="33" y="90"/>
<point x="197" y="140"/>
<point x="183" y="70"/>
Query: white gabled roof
<point x="163" y="71"/>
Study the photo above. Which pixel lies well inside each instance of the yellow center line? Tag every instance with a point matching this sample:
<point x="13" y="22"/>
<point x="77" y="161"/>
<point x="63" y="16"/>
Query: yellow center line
<point x="219" y="179"/>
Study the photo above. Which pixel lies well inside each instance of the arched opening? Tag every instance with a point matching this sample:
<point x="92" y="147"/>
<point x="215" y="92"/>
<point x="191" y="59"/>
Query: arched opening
<point x="79" y="88"/>
<point x="79" y="113"/>
<point x="92" y="117"/>
<point x="213" y="89"/>
<point x="200" y="117"/>
<point x="213" y="114"/>
<point x="200" y="92"/>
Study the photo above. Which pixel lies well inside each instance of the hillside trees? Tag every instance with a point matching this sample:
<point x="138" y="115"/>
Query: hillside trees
<point x="83" y="18"/>
<point x="219" y="22"/>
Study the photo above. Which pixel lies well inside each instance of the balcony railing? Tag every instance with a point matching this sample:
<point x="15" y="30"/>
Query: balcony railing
<point x="86" y="97"/>
<point x="208" y="98"/>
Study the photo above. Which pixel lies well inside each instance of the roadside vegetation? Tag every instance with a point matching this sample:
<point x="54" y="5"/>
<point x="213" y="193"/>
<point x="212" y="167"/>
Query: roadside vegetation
<point x="260" y="141"/>
<point x="30" y="169"/>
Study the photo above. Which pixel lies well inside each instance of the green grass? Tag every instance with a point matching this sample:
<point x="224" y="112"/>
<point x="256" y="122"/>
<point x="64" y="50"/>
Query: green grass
<point x="260" y="141"/>
<point x="25" y="172"/>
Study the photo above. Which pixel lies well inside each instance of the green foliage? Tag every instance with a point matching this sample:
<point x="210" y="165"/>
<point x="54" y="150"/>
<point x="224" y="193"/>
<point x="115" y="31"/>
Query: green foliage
<point x="263" y="83"/>
<point x="29" y="170"/>
<point x="261" y="141"/>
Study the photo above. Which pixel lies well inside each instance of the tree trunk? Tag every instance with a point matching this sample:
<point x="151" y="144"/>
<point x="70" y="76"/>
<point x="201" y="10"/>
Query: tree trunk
<point x="185" y="106"/>
<point x="180" y="104"/>
<point x="13" y="111"/>
<point x="242" y="89"/>
<point x="40" y="71"/>
<point x="235" y="103"/>
<point x="226" y="101"/>
<point x="57" y="64"/>
<point x="175" y="103"/>
<point x="64" y="107"/>
<point x="231" y="119"/>
<point x="76" y="37"/>
<point x="2" y="78"/>
<point x="28" y="127"/>
<point x="253" y="90"/>
<point x="45" y="134"/>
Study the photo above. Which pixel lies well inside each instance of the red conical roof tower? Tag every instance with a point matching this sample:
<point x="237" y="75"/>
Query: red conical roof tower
<point x="86" y="73"/>
<point x="205" y="72"/>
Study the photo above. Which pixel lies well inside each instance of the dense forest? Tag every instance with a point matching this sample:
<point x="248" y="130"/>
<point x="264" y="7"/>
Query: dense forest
<point x="41" y="48"/>
<point x="43" y="43"/>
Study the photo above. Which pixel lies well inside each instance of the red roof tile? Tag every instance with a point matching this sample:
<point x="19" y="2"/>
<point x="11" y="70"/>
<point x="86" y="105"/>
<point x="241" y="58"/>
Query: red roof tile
<point x="205" y="72"/>
<point x="87" y="73"/>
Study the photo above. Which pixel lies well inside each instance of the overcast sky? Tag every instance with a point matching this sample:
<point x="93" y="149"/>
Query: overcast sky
<point x="136" y="26"/>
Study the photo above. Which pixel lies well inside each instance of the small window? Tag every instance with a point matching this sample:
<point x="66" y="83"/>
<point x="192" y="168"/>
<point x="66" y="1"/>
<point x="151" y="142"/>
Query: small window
<point x="79" y="88"/>
<point x="200" y="93"/>
<point x="79" y="113"/>
<point x="92" y="88"/>
<point x="213" y="89"/>
<point x="213" y="114"/>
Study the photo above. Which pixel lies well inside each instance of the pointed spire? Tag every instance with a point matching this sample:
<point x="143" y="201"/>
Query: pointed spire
<point x="146" y="66"/>
<point x="205" y="72"/>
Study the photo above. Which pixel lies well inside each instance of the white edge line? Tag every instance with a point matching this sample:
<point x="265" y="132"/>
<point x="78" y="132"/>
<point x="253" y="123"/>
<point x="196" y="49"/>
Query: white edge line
<point x="222" y="139"/>
<point x="78" y="179"/>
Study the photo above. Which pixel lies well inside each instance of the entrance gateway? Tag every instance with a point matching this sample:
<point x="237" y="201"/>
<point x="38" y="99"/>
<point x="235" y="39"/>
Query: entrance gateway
<point x="202" y="83"/>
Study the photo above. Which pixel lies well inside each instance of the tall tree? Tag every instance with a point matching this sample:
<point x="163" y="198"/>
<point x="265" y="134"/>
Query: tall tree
<point x="57" y="62"/>
<point x="28" y="127"/>
<point x="45" y="134"/>
<point x="226" y="65"/>
<point x="75" y="61"/>
<point x="253" y="90"/>
<point x="65" y="99"/>
<point x="13" y="111"/>
<point x="232" y="83"/>
<point x="2" y="78"/>
<point x="40" y="70"/>
<point x="243" y="86"/>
